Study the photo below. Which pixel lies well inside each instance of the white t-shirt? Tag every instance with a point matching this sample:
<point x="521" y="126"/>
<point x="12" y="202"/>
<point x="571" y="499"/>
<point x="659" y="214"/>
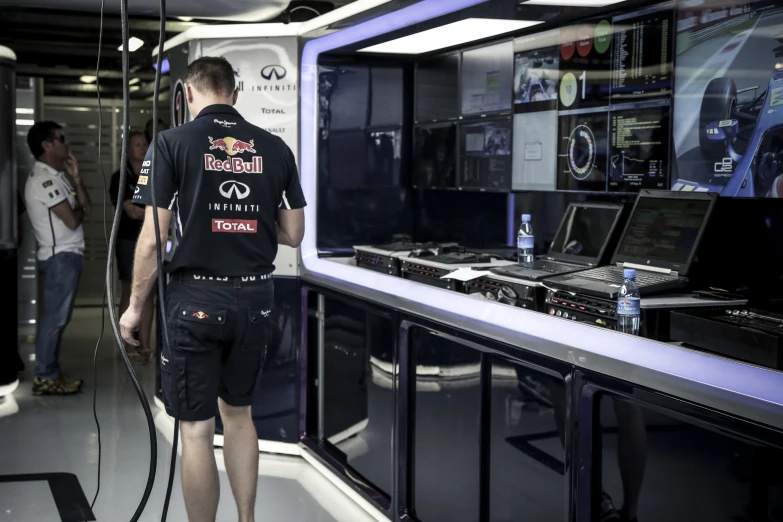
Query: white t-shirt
<point x="45" y="189"/>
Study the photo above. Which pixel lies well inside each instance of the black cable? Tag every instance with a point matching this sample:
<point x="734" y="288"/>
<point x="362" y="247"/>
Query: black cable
<point x="158" y="243"/>
<point x="106" y="237"/>
<point x="110" y="268"/>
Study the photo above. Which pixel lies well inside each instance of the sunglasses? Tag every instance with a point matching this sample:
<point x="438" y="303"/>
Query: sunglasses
<point x="60" y="138"/>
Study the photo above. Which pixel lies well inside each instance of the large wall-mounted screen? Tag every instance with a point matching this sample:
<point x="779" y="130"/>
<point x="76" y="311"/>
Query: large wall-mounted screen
<point x="387" y="88"/>
<point x="536" y="72"/>
<point x="642" y="54"/>
<point x="639" y="146"/>
<point x="348" y="97"/>
<point x="535" y="151"/>
<point x="582" y="159"/>
<point x="435" y="156"/>
<point x="728" y="108"/>
<point x="437" y="88"/>
<point x="585" y="65"/>
<point x="486" y="76"/>
<point x="485" y="154"/>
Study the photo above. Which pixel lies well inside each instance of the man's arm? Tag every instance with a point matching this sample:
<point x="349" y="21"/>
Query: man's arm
<point x="145" y="265"/>
<point x="290" y="227"/>
<point x="72" y="166"/>
<point x="72" y="217"/>
<point x="133" y="211"/>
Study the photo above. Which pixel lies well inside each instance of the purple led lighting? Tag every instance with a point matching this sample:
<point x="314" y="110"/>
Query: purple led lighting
<point x="165" y="67"/>
<point x="720" y="374"/>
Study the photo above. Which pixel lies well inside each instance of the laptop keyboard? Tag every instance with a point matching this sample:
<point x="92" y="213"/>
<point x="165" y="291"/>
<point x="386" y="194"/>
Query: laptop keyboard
<point x="549" y="266"/>
<point x="612" y="274"/>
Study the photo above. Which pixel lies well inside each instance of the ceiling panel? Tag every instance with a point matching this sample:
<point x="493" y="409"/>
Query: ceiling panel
<point x="228" y="10"/>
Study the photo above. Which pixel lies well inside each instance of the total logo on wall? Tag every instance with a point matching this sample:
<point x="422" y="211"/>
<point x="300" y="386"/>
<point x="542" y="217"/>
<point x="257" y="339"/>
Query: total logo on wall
<point x="266" y="75"/>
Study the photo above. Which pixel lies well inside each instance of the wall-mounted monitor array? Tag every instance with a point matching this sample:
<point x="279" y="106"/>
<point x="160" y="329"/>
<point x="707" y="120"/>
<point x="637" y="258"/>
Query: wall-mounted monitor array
<point x="599" y="106"/>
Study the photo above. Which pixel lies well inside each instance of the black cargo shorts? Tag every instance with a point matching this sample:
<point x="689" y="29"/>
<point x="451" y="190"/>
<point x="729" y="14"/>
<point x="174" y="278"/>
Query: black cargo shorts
<point x="219" y="333"/>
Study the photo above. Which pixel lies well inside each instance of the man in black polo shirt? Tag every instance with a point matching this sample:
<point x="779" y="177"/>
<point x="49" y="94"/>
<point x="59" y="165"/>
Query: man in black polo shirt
<point x="233" y="191"/>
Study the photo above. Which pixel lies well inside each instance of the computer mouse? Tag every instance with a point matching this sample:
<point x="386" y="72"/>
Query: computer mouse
<point x="421" y="252"/>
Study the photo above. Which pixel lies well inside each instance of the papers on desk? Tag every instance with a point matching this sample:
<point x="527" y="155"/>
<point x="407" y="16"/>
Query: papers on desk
<point x="466" y="274"/>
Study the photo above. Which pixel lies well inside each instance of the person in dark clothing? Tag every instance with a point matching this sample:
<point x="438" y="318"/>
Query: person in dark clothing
<point x="131" y="221"/>
<point x="148" y="128"/>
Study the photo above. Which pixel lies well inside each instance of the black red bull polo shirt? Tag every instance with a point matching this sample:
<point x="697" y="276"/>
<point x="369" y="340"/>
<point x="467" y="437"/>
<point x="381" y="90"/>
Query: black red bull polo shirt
<point x="225" y="181"/>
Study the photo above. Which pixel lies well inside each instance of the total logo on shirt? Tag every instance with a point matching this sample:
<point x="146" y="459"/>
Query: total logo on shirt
<point x="232" y="147"/>
<point x="235" y="226"/>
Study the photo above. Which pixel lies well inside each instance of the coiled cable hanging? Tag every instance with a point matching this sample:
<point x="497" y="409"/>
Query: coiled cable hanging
<point x="110" y="268"/>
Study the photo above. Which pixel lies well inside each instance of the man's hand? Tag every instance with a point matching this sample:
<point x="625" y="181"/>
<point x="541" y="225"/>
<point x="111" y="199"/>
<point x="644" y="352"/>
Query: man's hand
<point x="72" y="167"/>
<point x="129" y="323"/>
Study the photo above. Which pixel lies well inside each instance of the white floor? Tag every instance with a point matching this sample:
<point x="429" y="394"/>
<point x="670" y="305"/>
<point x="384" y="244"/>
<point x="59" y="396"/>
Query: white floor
<point x="58" y="434"/>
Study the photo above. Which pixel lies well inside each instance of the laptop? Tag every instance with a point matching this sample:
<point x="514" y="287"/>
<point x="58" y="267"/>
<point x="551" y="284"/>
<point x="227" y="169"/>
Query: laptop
<point x="582" y="241"/>
<point x="660" y="241"/>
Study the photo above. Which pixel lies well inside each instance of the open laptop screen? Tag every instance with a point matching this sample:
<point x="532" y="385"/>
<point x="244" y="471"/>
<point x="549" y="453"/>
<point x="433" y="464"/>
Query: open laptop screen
<point x="584" y="231"/>
<point x="664" y="231"/>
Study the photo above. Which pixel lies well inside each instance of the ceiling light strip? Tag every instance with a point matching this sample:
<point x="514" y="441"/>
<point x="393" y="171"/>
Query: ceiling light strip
<point x="450" y="35"/>
<point x="573" y="3"/>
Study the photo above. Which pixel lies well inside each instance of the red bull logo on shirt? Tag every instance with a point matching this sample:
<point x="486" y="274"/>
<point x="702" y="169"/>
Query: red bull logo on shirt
<point x="232" y="147"/>
<point x="237" y="165"/>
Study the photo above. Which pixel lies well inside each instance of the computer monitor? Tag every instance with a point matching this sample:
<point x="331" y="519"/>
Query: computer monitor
<point x="585" y="231"/>
<point x="585" y="65"/>
<point x="383" y="158"/>
<point x="435" y="156"/>
<point x="665" y="229"/>
<point x="348" y="98"/>
<point x="345" y="170"/>
<point x="486" y="74"/>
<point x="643" y="53"/>
<point x="640" y="136"/>
<point x="387" y="89"/>
<point x="536" y="72"/>
<point x="582" y="150"/>
<point x="535" y="151"/>
<point x="485" y="149"/>
<point x="437" y="88"/>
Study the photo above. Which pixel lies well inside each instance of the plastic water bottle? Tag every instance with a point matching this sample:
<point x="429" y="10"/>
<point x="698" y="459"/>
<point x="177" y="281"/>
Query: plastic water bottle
<point x="628" y="305"/>
<point x="525" y="241"/>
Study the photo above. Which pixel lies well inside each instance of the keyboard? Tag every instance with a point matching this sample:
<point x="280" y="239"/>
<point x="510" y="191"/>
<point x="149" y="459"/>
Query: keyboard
<point x="553" y="267"/>
<point x="611" y="274"/>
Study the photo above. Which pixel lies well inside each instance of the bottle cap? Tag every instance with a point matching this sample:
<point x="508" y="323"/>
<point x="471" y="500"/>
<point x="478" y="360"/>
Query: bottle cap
<point x="525" y="217"/>
<point x="629" y="273"/>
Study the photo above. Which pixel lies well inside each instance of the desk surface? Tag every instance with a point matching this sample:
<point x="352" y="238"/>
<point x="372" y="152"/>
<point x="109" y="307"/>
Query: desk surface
<point x="734" y="387"/>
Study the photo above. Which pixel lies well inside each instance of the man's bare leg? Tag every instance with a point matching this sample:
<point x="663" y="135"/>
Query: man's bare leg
<point x="200" y="481"/>
<point x="240" y="450"/>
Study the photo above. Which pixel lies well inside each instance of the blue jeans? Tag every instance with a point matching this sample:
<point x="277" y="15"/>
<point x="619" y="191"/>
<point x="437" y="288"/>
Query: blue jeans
<point x="60" y="275"/>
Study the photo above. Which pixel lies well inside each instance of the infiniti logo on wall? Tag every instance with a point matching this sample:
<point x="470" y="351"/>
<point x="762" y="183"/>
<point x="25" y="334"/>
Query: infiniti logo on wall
<point x="276" y="72"/>
<point x="229" y="189"/>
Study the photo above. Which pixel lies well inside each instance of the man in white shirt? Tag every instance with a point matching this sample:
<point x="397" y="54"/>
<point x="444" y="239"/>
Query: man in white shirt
<point x="57" y="206"/>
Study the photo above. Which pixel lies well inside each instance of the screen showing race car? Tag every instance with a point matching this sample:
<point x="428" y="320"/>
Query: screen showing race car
<point x="728" y="105"/>
<point x="485" y="150"/>
<point x="585" y="65"/>
<point x="642" y="53"/>
<point x="582" y="150"/>
<point x="536" y="72"/>
<point x="639" y="146"/>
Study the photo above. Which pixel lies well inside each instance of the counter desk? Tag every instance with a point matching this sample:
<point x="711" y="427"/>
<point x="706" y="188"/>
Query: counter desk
<point x="438" y="406"/>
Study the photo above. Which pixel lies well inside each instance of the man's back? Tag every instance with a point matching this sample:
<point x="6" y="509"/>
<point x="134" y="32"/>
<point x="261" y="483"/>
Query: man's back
<point x="225" y="179"/>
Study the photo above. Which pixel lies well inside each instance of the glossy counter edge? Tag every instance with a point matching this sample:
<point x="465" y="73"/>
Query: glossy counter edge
<point x="751" y="392"/>
<point x="729" y="386"/>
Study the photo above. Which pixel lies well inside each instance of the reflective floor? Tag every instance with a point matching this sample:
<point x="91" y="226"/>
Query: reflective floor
<point x="54" y="440"/>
